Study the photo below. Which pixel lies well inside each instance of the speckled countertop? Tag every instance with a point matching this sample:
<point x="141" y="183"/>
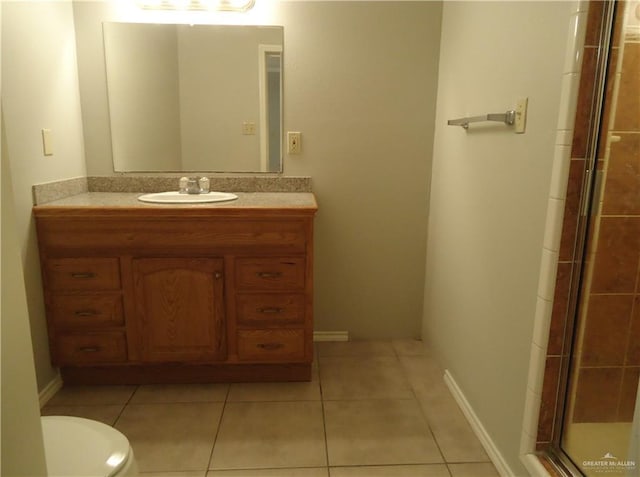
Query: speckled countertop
<point x="53" y="191"/>
<point x="128" y="200"/>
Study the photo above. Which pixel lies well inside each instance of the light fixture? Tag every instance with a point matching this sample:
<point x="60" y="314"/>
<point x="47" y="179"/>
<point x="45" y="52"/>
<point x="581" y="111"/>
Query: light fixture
<point x="220" y="5"/>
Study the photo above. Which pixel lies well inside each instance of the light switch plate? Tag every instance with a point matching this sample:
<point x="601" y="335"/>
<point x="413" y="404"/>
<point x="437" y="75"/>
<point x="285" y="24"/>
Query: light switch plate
<point x="47" y="142"/>
<point x="248" y="128"/>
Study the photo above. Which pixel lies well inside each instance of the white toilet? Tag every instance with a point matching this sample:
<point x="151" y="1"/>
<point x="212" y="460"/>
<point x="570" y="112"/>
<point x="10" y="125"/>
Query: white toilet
<point x="77" y="447"/>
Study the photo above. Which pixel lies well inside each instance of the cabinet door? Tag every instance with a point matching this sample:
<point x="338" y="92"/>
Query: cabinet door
<point x="179" y="305"/>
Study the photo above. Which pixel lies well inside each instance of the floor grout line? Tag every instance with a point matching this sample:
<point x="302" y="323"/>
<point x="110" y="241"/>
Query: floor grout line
<point x="125" y="406"/>
<point x="324" y="417"/>
<point x="421" y="374"/>
<point x="215" y="438"/>
<point x="423" y="414"/>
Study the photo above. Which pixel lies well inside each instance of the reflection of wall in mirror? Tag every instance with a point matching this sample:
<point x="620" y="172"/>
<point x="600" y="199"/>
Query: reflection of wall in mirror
<point x="217" y="96"/>
<point x="142" y="84"/>
<point x="192" y="119"/>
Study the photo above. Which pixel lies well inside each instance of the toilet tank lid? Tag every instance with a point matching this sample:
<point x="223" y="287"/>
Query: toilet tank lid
<point x="81" y="447"/>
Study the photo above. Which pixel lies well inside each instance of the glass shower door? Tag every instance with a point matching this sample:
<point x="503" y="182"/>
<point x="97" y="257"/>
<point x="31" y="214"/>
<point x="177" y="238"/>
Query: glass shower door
<point x="601" y="419"/>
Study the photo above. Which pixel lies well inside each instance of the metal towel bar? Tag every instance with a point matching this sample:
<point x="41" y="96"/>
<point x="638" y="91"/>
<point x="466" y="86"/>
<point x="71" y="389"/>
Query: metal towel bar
<point x="508" y="118"/>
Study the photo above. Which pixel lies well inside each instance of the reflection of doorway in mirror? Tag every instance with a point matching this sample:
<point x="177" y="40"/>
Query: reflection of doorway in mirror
<point x="273" y="107"/>
<point x="270" y="86"/>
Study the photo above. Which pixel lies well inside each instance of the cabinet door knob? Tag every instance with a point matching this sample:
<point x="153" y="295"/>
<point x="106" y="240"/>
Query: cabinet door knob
<point x="218" y="275"/>
<point x="270" y="346"/>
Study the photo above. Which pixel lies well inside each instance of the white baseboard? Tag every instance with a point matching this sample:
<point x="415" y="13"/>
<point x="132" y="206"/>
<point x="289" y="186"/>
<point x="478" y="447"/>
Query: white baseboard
<point x="330" y="336"/>
<point x="50" y="390"/>
<point x="481" y="433"/>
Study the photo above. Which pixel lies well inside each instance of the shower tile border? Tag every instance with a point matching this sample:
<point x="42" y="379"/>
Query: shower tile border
<point x="577" y="24"/>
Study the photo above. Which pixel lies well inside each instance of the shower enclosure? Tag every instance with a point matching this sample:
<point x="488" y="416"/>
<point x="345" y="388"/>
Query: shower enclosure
<point x="597" y="420"/>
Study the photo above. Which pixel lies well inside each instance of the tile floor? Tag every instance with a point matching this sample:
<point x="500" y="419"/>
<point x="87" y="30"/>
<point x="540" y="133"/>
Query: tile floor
<point x="373" y="409"/>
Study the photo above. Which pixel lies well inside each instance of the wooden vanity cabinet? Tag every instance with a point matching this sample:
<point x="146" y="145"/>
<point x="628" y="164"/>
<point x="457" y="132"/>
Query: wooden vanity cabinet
<point x="175" y="294"/>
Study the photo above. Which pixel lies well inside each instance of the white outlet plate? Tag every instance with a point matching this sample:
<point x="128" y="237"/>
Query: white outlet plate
<point x="521" y="115"/>
<point x="294" y="145"/>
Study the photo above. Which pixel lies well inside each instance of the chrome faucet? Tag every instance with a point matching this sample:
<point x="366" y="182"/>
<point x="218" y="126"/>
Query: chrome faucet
<point x="193" y="185"/>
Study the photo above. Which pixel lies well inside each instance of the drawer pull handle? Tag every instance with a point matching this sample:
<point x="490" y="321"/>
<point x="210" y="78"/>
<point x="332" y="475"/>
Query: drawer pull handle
<point x="85" y="313"/>
<point x="90" y="349"/>
<point x="83" y="275"/>
<point x="270" y="346"/>
<point x="271" y="310"/>
<point x="269" y="274"/>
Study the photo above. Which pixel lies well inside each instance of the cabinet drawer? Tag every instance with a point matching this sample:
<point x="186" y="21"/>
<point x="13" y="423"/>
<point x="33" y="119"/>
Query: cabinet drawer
<point x="82" y="274"/>
<point x="86" y="310"/>
<point x="90" y="348"/>
<point x="275" y="308"/>
<point x="271" y="345"/>
<point x="270" y="273"/>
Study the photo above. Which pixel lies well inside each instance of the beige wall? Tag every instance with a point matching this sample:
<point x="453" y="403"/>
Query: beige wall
<point x="39" y="90"/>
<point x="22" y="451"/>
<point x="360" y="84"/>
<point x="363" y="98"/>
<point x="488" y="202"/>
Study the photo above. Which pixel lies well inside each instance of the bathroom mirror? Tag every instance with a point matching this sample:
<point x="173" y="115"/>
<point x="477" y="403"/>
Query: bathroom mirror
<point x="194" y="97"/>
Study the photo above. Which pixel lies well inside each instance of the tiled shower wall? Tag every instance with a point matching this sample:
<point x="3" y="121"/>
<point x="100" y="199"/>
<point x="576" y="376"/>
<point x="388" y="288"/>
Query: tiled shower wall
<point x="611" y="359"/>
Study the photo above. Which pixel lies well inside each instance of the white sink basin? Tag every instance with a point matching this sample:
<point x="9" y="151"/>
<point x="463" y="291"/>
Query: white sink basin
<point x="174" y="197"/>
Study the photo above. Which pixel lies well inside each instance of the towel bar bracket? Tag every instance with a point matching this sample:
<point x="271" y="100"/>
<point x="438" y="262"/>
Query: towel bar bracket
<point x="508" y="118"/>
